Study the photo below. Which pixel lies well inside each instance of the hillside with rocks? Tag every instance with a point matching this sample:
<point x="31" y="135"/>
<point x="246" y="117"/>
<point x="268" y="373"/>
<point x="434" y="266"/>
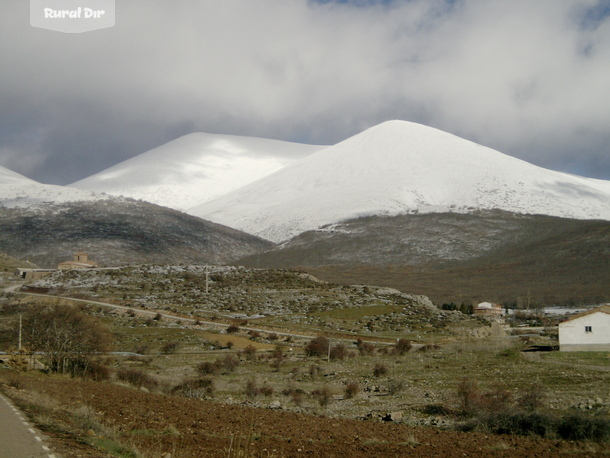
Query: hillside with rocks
<point x="118" y="232"/>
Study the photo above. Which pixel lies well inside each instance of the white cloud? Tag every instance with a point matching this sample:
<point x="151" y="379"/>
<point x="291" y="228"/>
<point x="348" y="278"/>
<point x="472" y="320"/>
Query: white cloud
<point x="528" y="78"/>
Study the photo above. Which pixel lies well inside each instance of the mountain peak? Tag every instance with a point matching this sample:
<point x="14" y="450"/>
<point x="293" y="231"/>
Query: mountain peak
<point x="400" y="167"/>
<point x="195" y="168"/>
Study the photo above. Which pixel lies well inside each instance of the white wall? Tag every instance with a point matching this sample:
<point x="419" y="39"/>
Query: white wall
<point x="572" y="335"/>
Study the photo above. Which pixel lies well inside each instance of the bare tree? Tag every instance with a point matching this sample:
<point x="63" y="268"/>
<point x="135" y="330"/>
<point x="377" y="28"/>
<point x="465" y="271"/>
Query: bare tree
<point x="67" y="337"/>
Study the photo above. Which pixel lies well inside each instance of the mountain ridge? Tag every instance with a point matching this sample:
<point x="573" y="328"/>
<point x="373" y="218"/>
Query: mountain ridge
<point x="195" y="168"/>
<point x="400" y="167"/>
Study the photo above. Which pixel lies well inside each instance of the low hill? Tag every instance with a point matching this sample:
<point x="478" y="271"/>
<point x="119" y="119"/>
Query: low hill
<point x="116" y="232"/>
<point x="491" y="255"/>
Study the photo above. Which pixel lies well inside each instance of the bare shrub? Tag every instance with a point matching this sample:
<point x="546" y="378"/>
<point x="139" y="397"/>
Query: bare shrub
<point x="232" y="329"/>
<point x="277" y="358"/>
<point x="297" y="395"/>
<point x="402" y="346"/>
<point x="365" y="348"/>
<point x="380" y="369"/>
<point x="323" y="395"/>
<point x="532" y="399"/>
<point x="351" y="389"/>
<point x="266" y="390"/>
<point x="207" y="368"/>
<point x="396" y="386"/>
<point x="468" y="396"/>
<point x="314" y="370"/>
<point x="498" y="399"/>
<point x="317" y="347"/>
<point x="142" y="349"/>
<point x="249" y="352"/>
<point x="338" y="352"/>
<point x="252" y="390"/>
<point x="97" y="370"/>
<point x="137" y="378"/>
<point x="228" y="364"/>
<point x="195" y="389"/>
<point x="428" y="348"/>
<point x="170" y="347"/>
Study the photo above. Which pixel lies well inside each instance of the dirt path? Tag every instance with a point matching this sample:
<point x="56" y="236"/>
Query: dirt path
<point x="17" y="437"/>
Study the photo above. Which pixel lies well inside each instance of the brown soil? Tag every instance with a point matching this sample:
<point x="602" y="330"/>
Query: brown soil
<point x="158" y="424"/>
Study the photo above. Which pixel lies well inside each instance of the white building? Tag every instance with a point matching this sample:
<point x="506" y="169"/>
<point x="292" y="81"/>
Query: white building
<point x="586" y="331"/>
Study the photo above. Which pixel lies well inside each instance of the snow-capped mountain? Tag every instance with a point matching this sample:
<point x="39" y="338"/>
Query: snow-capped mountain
<point x="17" y="191"/>
<point x="400" y="167"/>
<point x="195" y="168"/>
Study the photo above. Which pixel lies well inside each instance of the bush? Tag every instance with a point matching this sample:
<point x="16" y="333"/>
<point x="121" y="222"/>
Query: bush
<point x="98" y="371"/>
<point x="583" y="427"/>
<point x="137" y="378"/>
<point x="232" y="329"/>
<point x="317" y="347"/>
<point x="396" y="386"/>
<point x="468" y="396"/>
<point x="251" y="390"/>
<point x="532" y="399"/>
<point x="170" y="348"/>
<point x="365" y="348"/>
<point x="380" y="369"/>
<point x="351" y="389"/>
<point x="266" y="390"/>
<point x="195" y="389"/>
<point x="207" y="368"/>
<point x="338" y="352"/>
<point x="323" y="395"/>
<point x="402" y="346"/>
<point x="249" y="352"/>
<point x="228" y="364"/>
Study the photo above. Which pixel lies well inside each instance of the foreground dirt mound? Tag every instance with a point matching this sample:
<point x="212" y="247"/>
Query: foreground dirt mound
<point x="157" y="424"/>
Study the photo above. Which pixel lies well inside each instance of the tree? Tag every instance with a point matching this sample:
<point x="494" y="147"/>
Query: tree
<point x="67" y="337"/>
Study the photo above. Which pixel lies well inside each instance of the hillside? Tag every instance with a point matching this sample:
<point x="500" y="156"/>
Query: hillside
<point x="397" y="168"/>
<point x="195" y="168"/>
<point x="490" y="255"/>
<point x="116" y="232"/>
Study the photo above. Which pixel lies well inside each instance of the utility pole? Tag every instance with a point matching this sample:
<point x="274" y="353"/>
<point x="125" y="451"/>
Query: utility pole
<point x="20" y="320"/>
<point x="207" y="279"/>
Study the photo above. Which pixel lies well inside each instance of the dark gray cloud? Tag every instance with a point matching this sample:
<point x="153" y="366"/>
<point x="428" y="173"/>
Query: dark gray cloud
<point x="527" y="78"/>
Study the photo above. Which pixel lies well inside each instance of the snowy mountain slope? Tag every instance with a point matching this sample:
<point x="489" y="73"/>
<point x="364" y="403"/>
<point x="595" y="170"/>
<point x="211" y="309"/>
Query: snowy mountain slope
<point x="195" y="168"/>
<point x="401" y="167"/>
<point x="17" y="191"/>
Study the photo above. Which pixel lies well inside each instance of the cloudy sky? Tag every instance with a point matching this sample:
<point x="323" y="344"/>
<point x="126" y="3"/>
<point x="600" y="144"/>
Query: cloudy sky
<point x="530" y="78"/>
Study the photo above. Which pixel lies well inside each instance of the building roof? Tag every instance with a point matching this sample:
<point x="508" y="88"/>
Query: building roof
<point x="603" y="309"/>
<point x="488" y="305"/>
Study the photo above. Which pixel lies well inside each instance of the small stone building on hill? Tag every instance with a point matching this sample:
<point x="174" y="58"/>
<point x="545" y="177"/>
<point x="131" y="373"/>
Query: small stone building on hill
<point x="80" y="261"/>
<point x="586" y="331"/>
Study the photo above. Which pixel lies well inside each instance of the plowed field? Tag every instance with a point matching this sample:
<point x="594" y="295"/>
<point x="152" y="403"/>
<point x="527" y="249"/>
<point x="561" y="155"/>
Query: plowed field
<point x="158" y="425"/>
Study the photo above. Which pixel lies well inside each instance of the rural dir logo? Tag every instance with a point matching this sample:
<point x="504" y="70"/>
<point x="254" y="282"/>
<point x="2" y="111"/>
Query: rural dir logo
<point x="72" y="16"/>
